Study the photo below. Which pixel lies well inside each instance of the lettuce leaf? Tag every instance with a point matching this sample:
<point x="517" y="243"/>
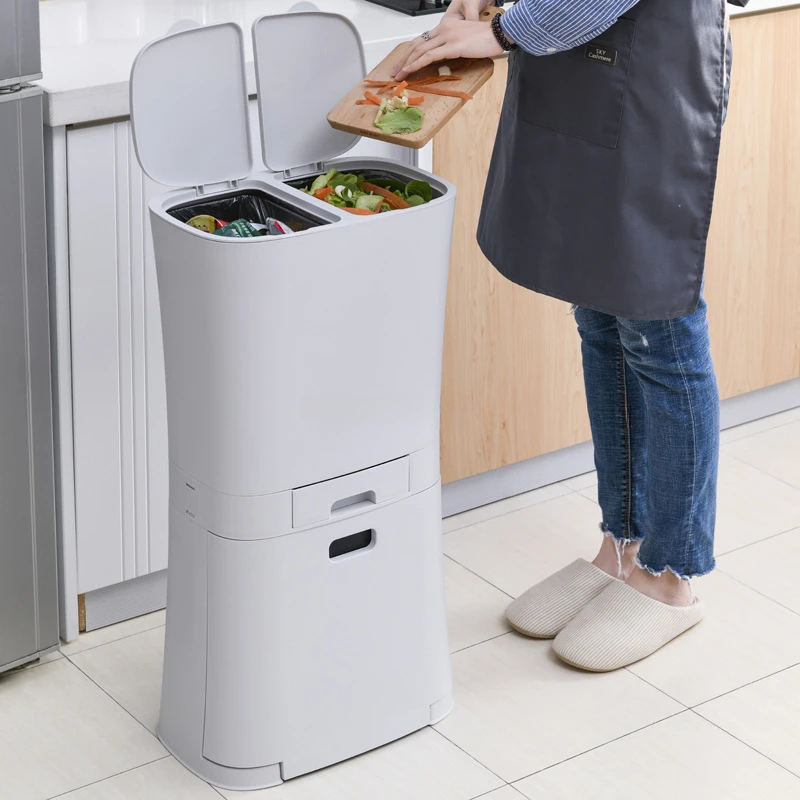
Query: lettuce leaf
<point x="401" y="120"/>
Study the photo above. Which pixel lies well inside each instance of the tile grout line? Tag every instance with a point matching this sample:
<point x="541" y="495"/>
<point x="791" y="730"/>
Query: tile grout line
<point x="763" y="471"/>
<point x="743" y="686"/>
<point x="478" y="644"/>
<point x="758" y="433"/>
<point x="469" y="755"/>
<point x="114" y="700"/>
<point x="752" y="589"/>
<point x="472" y="571"/>
<point x="752" y="544"/>
<point x="598" y="746"/>
<point x="741" y="741"/>
<point x="112" y="641"/>
<point x="657" y="688"/>
<point x="108" y="777"/>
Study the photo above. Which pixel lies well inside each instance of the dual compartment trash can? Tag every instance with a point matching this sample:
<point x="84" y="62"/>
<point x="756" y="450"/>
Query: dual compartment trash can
<point x="305" y="604"/>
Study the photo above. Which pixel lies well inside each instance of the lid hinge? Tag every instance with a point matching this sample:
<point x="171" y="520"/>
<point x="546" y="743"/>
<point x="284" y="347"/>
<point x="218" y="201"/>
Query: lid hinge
<point x="213" y="188"/>
<point x="301" y="172"/>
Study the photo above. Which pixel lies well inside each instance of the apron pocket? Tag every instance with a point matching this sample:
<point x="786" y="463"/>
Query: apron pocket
<point x="579" y="92"/>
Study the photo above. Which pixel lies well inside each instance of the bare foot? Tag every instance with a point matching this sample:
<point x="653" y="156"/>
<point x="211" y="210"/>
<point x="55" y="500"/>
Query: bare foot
<point x="608" y="561"/>
<point x="667" y="588"/>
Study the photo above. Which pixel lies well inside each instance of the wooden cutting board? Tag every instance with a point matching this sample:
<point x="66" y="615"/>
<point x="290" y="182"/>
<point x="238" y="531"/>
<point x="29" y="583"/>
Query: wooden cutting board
<point x="347" y="116"/>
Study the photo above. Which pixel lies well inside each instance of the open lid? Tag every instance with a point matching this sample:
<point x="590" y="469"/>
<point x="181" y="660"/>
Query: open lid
<point x="305" y="64"/>
<point x="189" y="107"/>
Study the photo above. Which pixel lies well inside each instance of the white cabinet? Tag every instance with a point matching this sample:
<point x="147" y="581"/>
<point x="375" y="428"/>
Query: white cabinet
<point x="118" y="394"/>
<point x="119" y="404"/>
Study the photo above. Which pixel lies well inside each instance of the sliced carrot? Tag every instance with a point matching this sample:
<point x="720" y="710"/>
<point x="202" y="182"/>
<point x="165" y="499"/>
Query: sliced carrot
<point x="390" y="197"/>
<point x="373" y="98"/>
<point x="362" y="212"/>
<point x="399" y="89"/>
<point x="364" y="103"/>
<point x="415" y="101"/>
<point x="377" y="83"/>
<point x="433" y="79"/>
<point x="443" y="92"/>
<point x="322" y="193"/>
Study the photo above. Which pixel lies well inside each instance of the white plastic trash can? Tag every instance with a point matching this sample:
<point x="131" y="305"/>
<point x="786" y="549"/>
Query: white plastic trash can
<point x="305" y="605"/>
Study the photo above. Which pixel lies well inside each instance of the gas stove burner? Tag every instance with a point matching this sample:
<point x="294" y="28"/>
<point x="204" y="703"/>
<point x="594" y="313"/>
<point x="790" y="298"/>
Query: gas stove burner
<point x="414" y="7"/>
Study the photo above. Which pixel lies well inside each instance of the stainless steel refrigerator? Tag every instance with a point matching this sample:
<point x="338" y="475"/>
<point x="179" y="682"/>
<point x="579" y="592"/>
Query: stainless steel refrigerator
<point x="28" y="586"/>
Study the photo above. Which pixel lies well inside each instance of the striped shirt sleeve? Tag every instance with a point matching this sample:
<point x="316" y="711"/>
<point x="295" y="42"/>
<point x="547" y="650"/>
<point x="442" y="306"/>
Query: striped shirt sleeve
<point x="543" y="27"/>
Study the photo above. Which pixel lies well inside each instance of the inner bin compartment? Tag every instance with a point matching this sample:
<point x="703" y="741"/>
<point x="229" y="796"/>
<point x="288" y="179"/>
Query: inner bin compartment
<point x="252" y="205"/>
<point x="369" y="175"/>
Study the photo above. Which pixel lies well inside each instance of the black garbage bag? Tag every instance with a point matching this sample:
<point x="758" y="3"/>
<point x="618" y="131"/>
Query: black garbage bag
<point x="254" y="206"/>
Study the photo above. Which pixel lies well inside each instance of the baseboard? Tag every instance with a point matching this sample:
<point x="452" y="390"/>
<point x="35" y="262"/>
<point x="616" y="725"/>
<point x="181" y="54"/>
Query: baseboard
<point x="126" y="600"/>
<point x="498" y="484"/>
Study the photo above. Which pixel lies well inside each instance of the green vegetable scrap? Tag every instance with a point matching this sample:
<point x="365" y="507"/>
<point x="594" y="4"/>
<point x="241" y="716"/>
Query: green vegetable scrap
<point x="357" y="193"/>
<point x="407" y="119"/>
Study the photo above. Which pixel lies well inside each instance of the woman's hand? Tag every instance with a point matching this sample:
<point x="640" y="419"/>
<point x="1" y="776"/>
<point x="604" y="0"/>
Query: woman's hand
<point x="466" y="9"/>
<point x="452" y="38"/>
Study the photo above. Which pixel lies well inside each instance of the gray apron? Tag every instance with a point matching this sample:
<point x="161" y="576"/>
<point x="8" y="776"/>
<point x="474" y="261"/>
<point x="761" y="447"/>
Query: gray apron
<point x="602" y="177"/>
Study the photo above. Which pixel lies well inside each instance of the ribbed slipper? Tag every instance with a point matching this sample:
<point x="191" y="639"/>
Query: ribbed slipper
<point x="547" y="607"/>
<point x="622" y="626"/>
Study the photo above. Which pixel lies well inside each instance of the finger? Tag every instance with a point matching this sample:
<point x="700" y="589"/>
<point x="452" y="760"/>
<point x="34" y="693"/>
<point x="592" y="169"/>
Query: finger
<point x="441" y="53"/>
<point x="415" y="46"/>
<point x="414" y="56"/>
<point x="470" y="11"/>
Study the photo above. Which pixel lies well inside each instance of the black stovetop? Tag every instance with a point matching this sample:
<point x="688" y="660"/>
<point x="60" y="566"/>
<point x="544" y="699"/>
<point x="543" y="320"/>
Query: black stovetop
<point x="414" y="7"/>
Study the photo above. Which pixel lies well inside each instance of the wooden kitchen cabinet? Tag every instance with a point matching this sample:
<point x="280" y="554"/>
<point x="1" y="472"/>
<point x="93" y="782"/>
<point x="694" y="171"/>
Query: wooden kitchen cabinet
<point x="512" y="386"/>
<point x="753" y="283"/>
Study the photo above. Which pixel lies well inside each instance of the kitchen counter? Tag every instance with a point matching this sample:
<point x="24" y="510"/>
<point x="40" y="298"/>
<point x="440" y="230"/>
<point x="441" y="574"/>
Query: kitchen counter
<point x="88" y="46"/>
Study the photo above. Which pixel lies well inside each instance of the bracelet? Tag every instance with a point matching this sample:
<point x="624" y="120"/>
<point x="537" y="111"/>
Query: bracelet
<point x="497" y="30"/>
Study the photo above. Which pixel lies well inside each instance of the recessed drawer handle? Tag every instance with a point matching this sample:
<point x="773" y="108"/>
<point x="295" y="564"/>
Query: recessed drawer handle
<point x="351" y="544"/>
<point x="346" y="503"/>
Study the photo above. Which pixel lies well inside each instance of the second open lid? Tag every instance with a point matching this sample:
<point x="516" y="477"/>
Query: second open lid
<point x="305" y="64"/>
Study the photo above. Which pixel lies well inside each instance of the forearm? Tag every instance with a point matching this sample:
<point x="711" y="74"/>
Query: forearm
<point x="544" y="27"/>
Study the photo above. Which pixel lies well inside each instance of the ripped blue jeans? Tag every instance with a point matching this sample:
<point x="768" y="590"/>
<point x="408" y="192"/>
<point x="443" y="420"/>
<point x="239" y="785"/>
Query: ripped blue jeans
<point x="654" y="411"/>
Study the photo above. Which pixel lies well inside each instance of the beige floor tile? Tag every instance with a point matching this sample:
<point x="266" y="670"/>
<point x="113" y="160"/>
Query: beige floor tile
<point x="580" y="482"/>
<point x="770" y="567"/>
<point x="113" y="632"/>
<point x="590" y="493"/>
<point x="776" y="452"/>
<point x="130" y="671"/>
<point x="744" y="637"/>
<point x="518" y="709"/>
<point x="760" y="425"/>
<point x="683" y="756"/>
<point x="752" y="505"/>
<point x="423" y="766"/>
<point x="165" y="779"/>
<point x="59" y="732"/>
<point x="498" y="509"/>
<point x="475" y="609"/>
<point x="504" y="793"/>
<point x="764" y="715"/>
<point x="517" y="550"/>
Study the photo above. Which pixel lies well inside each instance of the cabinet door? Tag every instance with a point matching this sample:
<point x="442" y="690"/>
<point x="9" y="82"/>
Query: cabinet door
<point x="512" y="382"/>
<point x="119" y="405"/>
<point x="753" y="282"/>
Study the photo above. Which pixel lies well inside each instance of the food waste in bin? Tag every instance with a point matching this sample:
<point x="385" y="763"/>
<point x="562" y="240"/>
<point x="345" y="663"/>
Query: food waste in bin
<point x="355" y="194"/>
<point x="239" y="228"/>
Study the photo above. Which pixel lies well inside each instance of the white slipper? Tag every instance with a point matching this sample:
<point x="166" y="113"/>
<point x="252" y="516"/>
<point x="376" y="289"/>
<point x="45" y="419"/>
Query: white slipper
<point x="547" y="607"/>
<point x="622" y="626"/>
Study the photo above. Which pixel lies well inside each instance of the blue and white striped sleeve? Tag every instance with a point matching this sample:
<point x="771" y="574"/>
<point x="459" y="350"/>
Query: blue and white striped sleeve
<point x="544" y="27"/>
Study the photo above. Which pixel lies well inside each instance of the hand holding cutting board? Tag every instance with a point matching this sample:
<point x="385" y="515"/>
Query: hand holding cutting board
<point x="456" y="36"/>
<point x="438" y="97"/>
